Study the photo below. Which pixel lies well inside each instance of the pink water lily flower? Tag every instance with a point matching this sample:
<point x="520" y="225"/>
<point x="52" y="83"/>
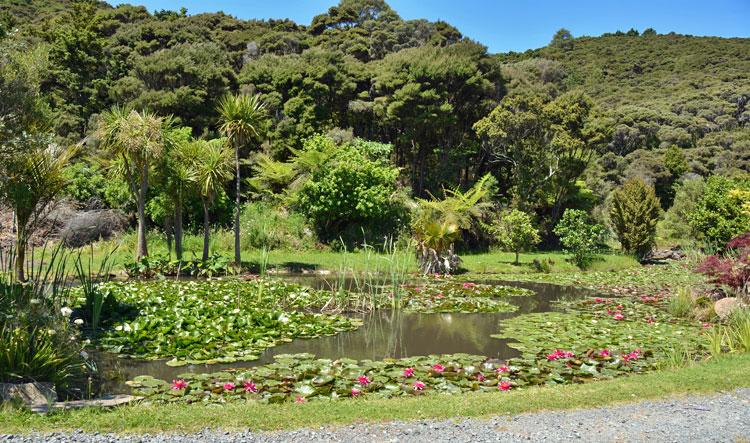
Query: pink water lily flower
<point x="480" y="377"/>
<point x="438" y="368"/>
<point x="364" y="380"/>
<point x="502" y="369"/>
<point x="707" y="325"/>
<point x="300" y="400"/>
<point x="229" y="386"/>
<point x="618" y="316"/>
<point x="418" y="385"/>
<point x="417" y="290"/>
<point x="179" y="384"/>
<point x="504" y="386"/>
<point x="250" y="386"/>
<point x="604" y="353"/>
<point x="559" y="353"/>
<point x="469" y="285"/>
<point x="356" y="392"/>
<point x="599" y="300"/>
<point x="408" y="372"/>
<point x="632" y="356"/>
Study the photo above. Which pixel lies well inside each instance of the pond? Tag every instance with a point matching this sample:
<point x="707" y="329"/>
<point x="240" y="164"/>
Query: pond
<point x="384" y="334"/>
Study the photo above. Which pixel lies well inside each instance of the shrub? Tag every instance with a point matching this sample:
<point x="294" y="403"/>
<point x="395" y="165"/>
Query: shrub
<point x="266" y="226"/>
<point x="634" y="213"/>
<point x="676" y="220"/>
<point x="731" y="270"/>
<point x="352" y="193"/>
<point x="579" y="236"/>
<point x="515" y="232"/>
<point x="719" y="214"/>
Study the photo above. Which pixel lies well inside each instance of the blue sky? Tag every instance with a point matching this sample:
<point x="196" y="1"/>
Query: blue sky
<point x="515" y="25"/>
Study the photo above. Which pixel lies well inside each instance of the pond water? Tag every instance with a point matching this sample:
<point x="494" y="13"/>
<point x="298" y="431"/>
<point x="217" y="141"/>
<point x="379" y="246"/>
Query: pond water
<point x="384" y="334"/>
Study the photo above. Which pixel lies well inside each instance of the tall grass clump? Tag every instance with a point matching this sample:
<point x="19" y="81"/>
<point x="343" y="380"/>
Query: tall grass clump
<point x="681" y="303"/>
<point x="89" y="277"/>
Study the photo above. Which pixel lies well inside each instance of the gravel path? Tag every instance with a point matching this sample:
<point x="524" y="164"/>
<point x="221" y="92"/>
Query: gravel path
<point x="716" y="418"/>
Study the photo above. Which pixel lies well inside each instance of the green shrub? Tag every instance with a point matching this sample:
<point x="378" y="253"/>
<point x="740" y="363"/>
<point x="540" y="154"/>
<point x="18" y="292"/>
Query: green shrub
<point x="719" y="214"/>
<point x="269" y="227"/>
<point x="352" y="196"/>
<point x="634" y="213"/>
<point x="675" y="224"/>
<point x="579" y="236"/>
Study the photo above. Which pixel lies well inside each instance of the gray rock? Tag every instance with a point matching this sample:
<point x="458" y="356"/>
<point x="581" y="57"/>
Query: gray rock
<point x="30" y="394"/>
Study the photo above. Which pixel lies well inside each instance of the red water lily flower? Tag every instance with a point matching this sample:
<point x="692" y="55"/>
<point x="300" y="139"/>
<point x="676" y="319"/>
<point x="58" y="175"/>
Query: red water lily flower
<point x="480" y="377"/>
<point x="408" y="372"/>
<point x="599" y="300"/>
<point x="504" y="386"/>
<point x="179" y="384"/>
<point x="604" y="353"/>
<point x="300" y="400"/>
<point x="250" y="387"/>
<point x="438" y="368"/>
<point x="418" y="385"/>
<point x="229" y="386"/>
<point x="632" y="356"/>
<point x="356" y="392"/>
<point x="364" y="380"/>
<point x="502" y="368"/>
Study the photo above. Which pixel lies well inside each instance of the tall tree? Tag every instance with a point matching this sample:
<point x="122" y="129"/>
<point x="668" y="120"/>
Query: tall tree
<point x="242" y="118"/>
<point x="134" y="141"/>
<point x="635" y="211"/>
<point x="29" y="183"/>
<point x="211" y="168"/>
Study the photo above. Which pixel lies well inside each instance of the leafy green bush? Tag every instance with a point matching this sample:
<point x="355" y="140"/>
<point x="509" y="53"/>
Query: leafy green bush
<point x="634" y="213"/>
<point x="719" y="214"/>
<point x="270" y="227"/>
<point x="675" y="224"/>
<point x="579" y="236"/>
<point x="351" y="194"/>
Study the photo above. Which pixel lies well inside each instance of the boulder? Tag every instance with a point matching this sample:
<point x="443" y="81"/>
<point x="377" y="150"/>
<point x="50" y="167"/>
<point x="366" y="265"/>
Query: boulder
<point x="30" y="394"/>
<point x="86" y="227"/>
<point x="726" y="306"/>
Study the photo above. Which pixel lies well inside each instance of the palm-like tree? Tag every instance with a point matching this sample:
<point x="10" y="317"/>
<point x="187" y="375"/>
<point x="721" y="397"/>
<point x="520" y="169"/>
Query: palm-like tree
<point x="137" y="139"/>
<point x="212" y="167"/>
<point x="29" y="183"/>
<point x="242" y="118"/>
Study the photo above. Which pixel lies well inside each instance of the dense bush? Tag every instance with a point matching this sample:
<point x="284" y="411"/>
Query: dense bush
<point x="634" y="213"/>
<point x="675" y="224"/>
<point x="579" y="236"/>
<point x="731" y="270"/>
<point x="352" y="193"/>
<point x="266" y="226"/>
<point x="719" y="214"/>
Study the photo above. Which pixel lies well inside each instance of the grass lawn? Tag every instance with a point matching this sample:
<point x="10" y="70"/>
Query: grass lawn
<point x="717" y="375"/>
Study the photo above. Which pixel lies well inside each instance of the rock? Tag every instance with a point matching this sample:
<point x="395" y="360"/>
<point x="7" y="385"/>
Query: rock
<point x="726" y="306"/>
<point x="86" y="227"/>
<point x="661" y="255"/>
<point x="30" y="394"/>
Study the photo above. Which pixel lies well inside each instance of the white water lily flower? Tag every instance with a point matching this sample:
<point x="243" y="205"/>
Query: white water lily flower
<point x="78" y="321"/>
<point x="66" y="311"/>
<point x="236" y="311"/>
<point x="126" y="328"/>
<point x="118" y="328"/>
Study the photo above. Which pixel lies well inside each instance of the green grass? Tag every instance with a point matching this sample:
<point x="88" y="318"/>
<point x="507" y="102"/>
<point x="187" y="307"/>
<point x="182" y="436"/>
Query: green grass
<point x="716" y="375"/>
<point x="494" y="262"/>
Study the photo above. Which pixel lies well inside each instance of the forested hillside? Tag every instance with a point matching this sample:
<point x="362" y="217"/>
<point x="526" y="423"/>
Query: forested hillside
<point x="654" y="106"/>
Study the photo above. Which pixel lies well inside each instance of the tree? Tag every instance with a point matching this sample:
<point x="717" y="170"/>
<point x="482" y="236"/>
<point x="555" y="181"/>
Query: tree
<point x="515" y="232"/>
<point x="546" y="145"/>
<point x="562" y="39"/>
<point x="579" y="236"/>
<point x="211" y="168"/>
<point x="29" y="183"/>
<point x="242" y="118"/>
<point x="634" y="213"/>
<point x="134" y="141"/>
<point x="176" y="177"/>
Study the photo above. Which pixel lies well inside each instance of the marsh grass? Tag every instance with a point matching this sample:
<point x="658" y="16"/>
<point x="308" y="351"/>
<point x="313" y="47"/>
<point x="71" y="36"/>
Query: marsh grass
<point x="681" y="303"/>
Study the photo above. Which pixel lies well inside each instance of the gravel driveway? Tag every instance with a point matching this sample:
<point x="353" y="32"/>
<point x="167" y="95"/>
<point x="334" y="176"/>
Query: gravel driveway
<point x="720" y="418"/>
